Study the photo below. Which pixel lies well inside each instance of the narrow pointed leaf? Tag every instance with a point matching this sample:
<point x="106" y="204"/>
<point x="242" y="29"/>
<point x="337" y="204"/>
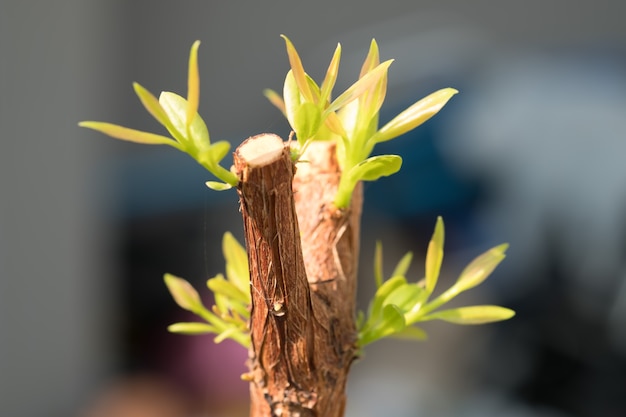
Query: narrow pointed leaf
<point x="403" y="265"/>
<point x="480" y="268"/>
<point x="191" y="328"/>
<point x="298" y="70"/>
<point x="131" y="135"/>
<point x="334" y="125"/>
<point x="331" y="76"/>
<point x="231" y="332"/>
<point x="275" y="99"/>
<point x="393" y="318"/>
<point x="193" y="84"/>
<point x="183" y="293"/>
<point x="434" y="256"/>
<point x="375" y="167"/>
<point x="473" y="314"/>
<point x="378" y="264"/>
<point x="151" y="103"/>
<point x="371" y="60"/>
<point x="415" y="115"/>
<point x="410" y="333"/>
<point x="236" y="263"/>
<point x="359" y="87"/>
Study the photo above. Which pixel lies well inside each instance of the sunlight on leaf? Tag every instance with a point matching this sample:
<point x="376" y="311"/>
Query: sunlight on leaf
<point x="151" y="103"/>
<point x="191" y="328"/>
<point x="131" y="135"/>
<point x="415" y="115"/>
<point x="331" y="76"/>
<point x="480" y="268"/>
<point x="434" y="256"/>
<point x="183" y="293"/>
<point x="193" y="84"/>
<point x="298" y="70"/>
<point x="472" y="314"/>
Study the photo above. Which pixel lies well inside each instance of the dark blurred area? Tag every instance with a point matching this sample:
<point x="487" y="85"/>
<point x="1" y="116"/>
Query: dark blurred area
<point x="531" y="152"/>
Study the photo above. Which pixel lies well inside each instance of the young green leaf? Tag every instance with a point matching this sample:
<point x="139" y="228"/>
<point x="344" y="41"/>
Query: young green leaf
<point x="218" y="186"/>
<point x="434" y="256"/>
<point x="307" y="122"/>
<point x="275" y="99"/>
<point x="415" y="115"/>
<point x="480" y="268"/>
<point x="410" y="333"/>
<point x="218" y="150"/>
<point x="176" y="109"/>
<point x="183" y="293"/>
<point x="378" y="264"/>
<point x="152" y="105"/>
<point x="236" y="263"/>
<point x="359" y="87"/>
<point x="406" y="297"/>
<point x="131" y="135"/>
<point x="403" y="265"/>
<point x="382" y="293"/>
<point x="375" y="167"/>
<point x="472" y="314"/>
<point x="298" y="70"/>
<point x="193" y="84"/>
<point x="191" y="328"/>
<point x="226" y="288"/>
<point x="292" y="97"/>
<point x="371" y="60"/>
<point x="331" y="76"/>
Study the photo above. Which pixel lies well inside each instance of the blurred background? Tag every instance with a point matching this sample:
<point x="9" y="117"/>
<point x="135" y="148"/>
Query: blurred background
<point x="531" y="152"/>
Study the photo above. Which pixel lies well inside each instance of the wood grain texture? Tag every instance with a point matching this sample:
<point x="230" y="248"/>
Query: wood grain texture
<point x="302" y="254"/>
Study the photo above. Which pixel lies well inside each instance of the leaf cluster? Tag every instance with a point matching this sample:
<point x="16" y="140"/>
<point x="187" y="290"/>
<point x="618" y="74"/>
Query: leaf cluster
<point x="181" y="119"/>
<point x="398" y="304"/>
<point x="228" y="318"/>
<point x="351" y="119"/>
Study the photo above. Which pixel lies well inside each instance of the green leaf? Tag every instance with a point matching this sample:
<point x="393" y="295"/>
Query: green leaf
<point x="292" y="97"/>
<point x="219" y="150"/>
<point x="151" y="103"/>
<point x="275" y="99"/>
<point x="375" y="167"/>
<point x="378" y="264"/>
<point x="191" y="328"/>
<point x="298" y="70"/>
<point x="183" y="293"/>
<point x="218" y="186"/>
<point x="307" y="122"/>
<point x="434" y="256"/>
<point x="407" y="297"/>
<point x="331" y="76"/>
<point x="415" y="115"/>
<point x="403" y="265"/>
<point x="131" y="135"/>
<point x="382" y="293"/>
<point x="472" y="315"/>
<point x="392" y="322"/>
<point x="230" y="332"/>
<point x="480" y="268"/>
<point x="410" y="333"/>
<point x="220" y="286"/>
<point x="236" y="263"/>
<point x="193" y="84"/>
<point x="371" y="60"/>
<point x="359" y="87"/>
<point x="176" y="109"/>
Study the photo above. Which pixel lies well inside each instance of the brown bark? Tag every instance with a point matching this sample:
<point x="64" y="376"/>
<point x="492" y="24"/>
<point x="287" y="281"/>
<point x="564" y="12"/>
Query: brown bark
<point x="303" y="255"/>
